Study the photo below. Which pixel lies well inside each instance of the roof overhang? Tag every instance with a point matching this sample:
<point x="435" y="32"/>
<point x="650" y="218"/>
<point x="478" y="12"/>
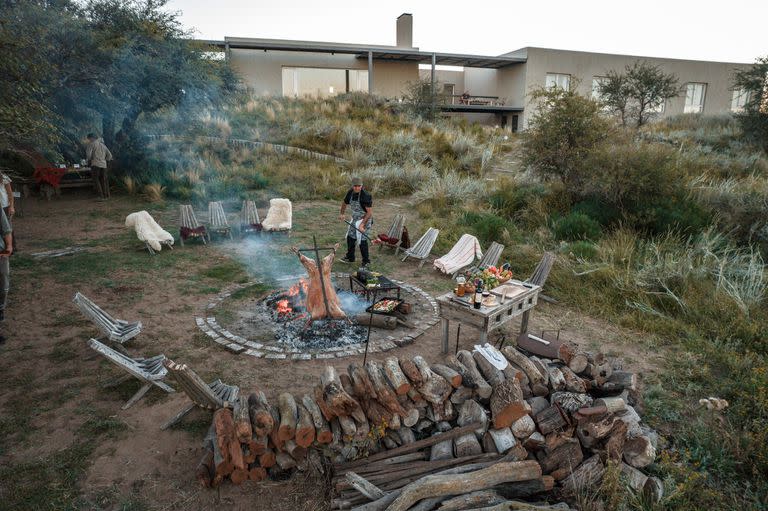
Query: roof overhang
<point x="389" y="53"/>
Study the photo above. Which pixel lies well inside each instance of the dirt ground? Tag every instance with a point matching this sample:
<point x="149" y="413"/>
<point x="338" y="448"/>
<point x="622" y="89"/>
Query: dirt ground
<point x="52" y="391"/>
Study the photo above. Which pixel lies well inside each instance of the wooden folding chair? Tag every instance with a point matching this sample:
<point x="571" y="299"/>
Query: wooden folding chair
<point x="115" y="330"/>
<point x="210" y="396"/>
<point x="490" y="258"/>
<point x="395" y="232"/>
<point x="538" y="277"/>
<point x="148" y="370"/>
<point x="423" y="247"/>
<point x="217" y="220"/>
<point x="249" y="219"/>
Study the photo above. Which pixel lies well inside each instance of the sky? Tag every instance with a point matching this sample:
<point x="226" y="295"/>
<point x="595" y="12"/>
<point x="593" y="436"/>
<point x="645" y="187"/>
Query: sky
<point x="732" y="31"/>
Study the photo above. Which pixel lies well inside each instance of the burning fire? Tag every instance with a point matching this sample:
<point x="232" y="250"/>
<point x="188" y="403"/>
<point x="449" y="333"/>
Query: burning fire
<point x="295" y="298"/>
<point x="301" y="286"/>
<point x="283" y="307"/>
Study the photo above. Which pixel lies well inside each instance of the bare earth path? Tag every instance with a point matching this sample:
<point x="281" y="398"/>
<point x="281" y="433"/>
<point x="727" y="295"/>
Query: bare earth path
<point x="64" y="439"/>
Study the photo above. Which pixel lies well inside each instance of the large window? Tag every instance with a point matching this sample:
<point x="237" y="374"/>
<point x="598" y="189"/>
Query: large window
<point x="739" y="100"/>
<point x="322" y="83"/>
<point x="558" y="80"/>
<point x="694" y="98"/>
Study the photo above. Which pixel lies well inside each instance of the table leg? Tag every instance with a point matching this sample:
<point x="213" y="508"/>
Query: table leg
<point x="524" y="322"/>
<point x="445" y="324"/>
<point x="483" y="337"/>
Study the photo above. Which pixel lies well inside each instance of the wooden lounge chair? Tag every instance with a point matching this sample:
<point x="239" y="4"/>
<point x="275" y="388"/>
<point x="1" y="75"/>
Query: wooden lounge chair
<point x="423" y="247"/>
<point x="149" y="232"/>
<point x="490" y="258"/>
<point x="250" y="222"/>
<point x="210" y="396"/>
<point x="395" y="232"/>
<point x="217" y="220"/>
<point x="461" y="255"/>
<point x="189" y="227"/>
<point x="115" y="330"/>
<point x="279" y="216"/>
<point x="538" y="277"/>
<point x="148" y="370"/>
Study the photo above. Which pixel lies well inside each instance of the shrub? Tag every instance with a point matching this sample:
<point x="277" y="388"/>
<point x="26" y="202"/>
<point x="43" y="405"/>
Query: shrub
<point x="387" y="180"/>
<point x="576" y="226"/>
<point x="582" y="249"/>
<point x="487" y="227"/>
<point x="450" y="189"/>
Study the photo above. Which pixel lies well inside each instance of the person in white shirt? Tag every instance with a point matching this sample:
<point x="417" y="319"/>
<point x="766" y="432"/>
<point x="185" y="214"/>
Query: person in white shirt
<point x="7" y="200"/>
<point x="97" y="155"/>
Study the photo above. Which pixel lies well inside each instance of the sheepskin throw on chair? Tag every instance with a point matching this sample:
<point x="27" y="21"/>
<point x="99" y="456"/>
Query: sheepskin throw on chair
<point x="279" y="216"/>
<point x="148" y="230"/>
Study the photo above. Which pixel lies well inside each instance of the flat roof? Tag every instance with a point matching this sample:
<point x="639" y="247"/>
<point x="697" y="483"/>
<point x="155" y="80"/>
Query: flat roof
<point x="390" y="53"/>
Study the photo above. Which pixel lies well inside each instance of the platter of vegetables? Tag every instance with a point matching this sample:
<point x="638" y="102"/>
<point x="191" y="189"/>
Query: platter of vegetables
<point x="493" y="276"/>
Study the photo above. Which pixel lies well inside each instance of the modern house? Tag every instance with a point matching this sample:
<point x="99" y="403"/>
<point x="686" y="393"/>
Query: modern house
<point x="488" y="89"/>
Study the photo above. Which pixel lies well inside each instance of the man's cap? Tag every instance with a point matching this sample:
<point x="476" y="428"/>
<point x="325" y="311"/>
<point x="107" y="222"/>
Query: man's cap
<point x="357" y="181"/>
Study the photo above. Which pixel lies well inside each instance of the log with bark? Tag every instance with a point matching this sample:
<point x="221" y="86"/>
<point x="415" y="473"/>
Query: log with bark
<point x="507" y="404"/>
<point x="547" y="347"/>
<point x="288" y="416"/>
<point x="537" y="380"/>
<point x="395" y="375"/>
<point x="243" y="428"/>
<point x="337" y="401"/>
<point x="434" y="388"/>
<point x="384" y="392"/>
<point x="261" y="418"/>
<point x="481" y="386"/>
<point x="492" y="375"/>
<point x="323" y="433"/>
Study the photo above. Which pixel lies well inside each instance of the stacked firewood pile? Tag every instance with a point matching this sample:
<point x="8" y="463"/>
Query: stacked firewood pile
<point x="473" y="431"/>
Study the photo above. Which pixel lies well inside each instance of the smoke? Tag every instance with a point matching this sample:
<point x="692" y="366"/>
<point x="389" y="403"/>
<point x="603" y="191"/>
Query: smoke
<point x="352" y="303"/>
<point x="268" y="258"/>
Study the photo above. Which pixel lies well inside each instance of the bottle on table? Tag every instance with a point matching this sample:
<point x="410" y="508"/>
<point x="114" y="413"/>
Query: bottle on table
<point x="478" y="294"/>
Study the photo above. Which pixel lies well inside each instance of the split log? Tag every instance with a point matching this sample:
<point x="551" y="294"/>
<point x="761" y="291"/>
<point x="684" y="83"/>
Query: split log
<point x="471" y="412"/>
<point x="288" y="416"/>
<point x="572" y="382"/>
<point x="461" y="395"/>
<point x="396" y="377"/>
<point x="376" y="320"/>
<point x="571" y="401"/>
<point x="651" y="487"/>
<point x="483" y="389"/>
<point x="625" y="379"/>
<point x="322" y="428"/>
<point x="386" y="396"/>
<point x="336" y="398"/>
<point x="466" y="445"/>
<point x="591" y="430"/>
<point x="434" y="388"/>
<point x="258" y="411"/>
<point x="538" y="380"/>
<point x="537" y="404"/>
<point x="296" y="451"/>
<point x="433" y="486"/>
<point x="411" y="416"/>
<point x="305" y="428"/>
<point x="523" y="427"/>
<point x="566" y="456"/>
<point x="273" y="435"/>
<point x="534" y="442"/>
<point x="206" y="469"/>
<point x="492" y="375"/>
<point x="257" y="473"/>
<point x="639" y="452"/>
<point x="267" y="458"/>
<point x="438" y="412"/>
<point x="411" y="371"/>
<point x="466" y="378"/>
<point x="611" y="404"/>
<point x="614" y="446"/>
<point x="441" y="450"/>
<point x="285" y="461"/>
<point x="587" y="475"/>
<point x="451" y="376"/>
<point x="578" y="363"/>
<point x="227" y="444"/>
<point x="472" y="500"/>
<point x="320" y="401"/>
<point x="551" y="419"/>
<point x="507" y="404"/>
<point x="547" y="347"/>
<point x="361" y="384"/>
<point x="499" y="440"/>
<point x="556" y="378"/>
<point x="243" y="428"/>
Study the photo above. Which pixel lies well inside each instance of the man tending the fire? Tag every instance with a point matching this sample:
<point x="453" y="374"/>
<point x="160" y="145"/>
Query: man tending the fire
<point x="361" y="205"/>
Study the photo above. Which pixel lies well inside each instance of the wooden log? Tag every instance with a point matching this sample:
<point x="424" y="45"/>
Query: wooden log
<point x="466" y="378"/>
<point x="285" y="461"/>
<point x="593" y="429"/>
<point x="434" y="388"/>
<point x="492" y="375"/>
<point x="384" y="393"/>
<point x="277" y="443"/>
<point x="471" y="412"/>
<point x="205" y="470"/>
<point x="418" y="400"/>
<point x="625" y="379"/>
<point x="227" y="444"/>
<point x="572" y="382"/>
<point x="567" y="456"/>
<point x="336" y="398"/>
<point x="288" y="416"/>
<point x="441" y="450"/>
<point x="348" y="426"/>
<point x="377" y="415"/>
<point x="556" y="378"/>
<point x="578" y="363"/>
<point x="639" y="452"/>
<point x="525" y="489"/>
<point x="570" y="401"/>
<point x="376" y="320"/>
<point x="363" y="486"/>
<point x="483" y="389"/>
<point x="305" y="428"/>
<point x="346" y="383"/>
<point x="499" y="440"/>
<point x="256" y="473"/>
<point x="323" y="433"/>
<point x="479" y="480"/>
<point x="386" y="464"/>
<point x="411" y="372"/>
<point x="448" y="435"/>
<point x="411" y="416"/>
<point x="523" y="427"/>
<point x="438" y="412"/>
<point x="243" y="428"/>
<point x="537" y="379"/>
<point x="395" y="375"/>
<point x="614" y="445"/>
<point x="296" y="451"/>
<point x="451" y="376"/>
<point x="258" y="411"/>
<point x="267" y="458"/>
<point x="461" y="395"/>
<point x="534" y="442"/>
<point x="507" y="404"/>
<point x="537" y="404"/>
<point x="547" y="347"/>
<point x="239" y="476"/>
<point x="361" y="384"/>
<point x="466" y="445"/>
<point x="551" y="419"/>
<point x="472" y="500"/>
<point x="320" y="400"/>
<point x="611" y="404"/>
<point x="587" y="475"/>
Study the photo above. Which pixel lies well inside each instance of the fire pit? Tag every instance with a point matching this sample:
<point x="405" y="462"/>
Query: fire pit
<point x="278" y="325"/>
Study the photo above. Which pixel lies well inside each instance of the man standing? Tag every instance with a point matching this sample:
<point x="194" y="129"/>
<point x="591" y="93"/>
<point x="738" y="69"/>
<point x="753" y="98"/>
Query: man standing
<point x="97" y="155"/>
<point x="361" y="204"/>
<point x="6" y="249"/>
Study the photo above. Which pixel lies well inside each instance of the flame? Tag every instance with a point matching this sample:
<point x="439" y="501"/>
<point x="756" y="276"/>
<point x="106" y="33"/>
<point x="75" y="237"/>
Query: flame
<point x="283" y="307"/>
<point x="301" y="286"/>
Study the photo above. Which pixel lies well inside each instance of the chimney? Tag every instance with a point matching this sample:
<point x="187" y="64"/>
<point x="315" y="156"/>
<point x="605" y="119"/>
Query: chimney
<point x="405" y="31"/>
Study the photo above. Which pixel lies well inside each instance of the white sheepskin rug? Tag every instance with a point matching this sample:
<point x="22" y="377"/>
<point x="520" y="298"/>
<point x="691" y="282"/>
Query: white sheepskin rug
<point x="279" y="216"/>
<point x="148" y="230"/>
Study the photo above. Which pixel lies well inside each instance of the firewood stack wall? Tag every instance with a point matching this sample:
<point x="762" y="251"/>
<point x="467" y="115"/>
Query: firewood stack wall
<point x="553" y="416"/>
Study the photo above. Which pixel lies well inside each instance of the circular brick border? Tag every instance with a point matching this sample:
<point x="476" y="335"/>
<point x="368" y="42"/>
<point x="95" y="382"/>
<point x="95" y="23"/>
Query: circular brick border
<point x="206" y="321"/>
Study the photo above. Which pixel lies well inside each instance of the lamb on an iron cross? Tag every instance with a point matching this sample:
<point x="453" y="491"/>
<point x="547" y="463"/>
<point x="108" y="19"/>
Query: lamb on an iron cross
<point x="322" y="301"/>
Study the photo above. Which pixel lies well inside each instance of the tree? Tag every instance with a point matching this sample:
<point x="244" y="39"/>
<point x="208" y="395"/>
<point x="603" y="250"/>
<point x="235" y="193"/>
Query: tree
<point x="562" y="134"/>
<point x="754" y="118"/>
<point x="637" y="93"/>
<point x="420" y="99"/>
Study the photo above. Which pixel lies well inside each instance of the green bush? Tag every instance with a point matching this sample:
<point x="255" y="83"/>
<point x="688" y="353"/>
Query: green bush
<point x="606" y="214"/>
<point x="576" y="226"/>
<point x="487" y="227"/>
<point x="582" y="249"/>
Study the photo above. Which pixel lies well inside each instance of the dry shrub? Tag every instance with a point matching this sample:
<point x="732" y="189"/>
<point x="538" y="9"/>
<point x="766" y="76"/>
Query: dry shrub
<point x="154" y="192"/>
<point x="130" y="185"/>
